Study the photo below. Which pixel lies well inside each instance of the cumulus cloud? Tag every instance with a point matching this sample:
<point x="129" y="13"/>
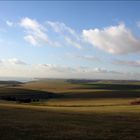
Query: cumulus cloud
<point x="113" y="39"/>
<point x="131" y="63"/>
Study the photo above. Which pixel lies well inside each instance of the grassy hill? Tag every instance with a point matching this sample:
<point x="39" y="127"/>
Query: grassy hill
<point x="19" y="94"/>
<point x="99" y="110"/>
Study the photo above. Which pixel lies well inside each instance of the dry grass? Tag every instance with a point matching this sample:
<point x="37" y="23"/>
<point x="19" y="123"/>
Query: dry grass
<point x="20" y="122"/>
<point x="81" y="113"/>
<point x="50" y="85"/>
<point x="87" y="102"/>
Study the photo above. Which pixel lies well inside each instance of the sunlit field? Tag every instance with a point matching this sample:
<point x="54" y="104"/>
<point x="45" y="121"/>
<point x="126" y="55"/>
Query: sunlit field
<point x="70" y="110"/>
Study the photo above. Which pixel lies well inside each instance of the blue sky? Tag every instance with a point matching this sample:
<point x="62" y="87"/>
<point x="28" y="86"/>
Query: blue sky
<point x="67" y="39"/>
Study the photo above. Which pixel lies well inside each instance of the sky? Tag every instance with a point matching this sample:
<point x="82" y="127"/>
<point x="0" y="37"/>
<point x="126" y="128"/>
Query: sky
<point x="70" y="39"/>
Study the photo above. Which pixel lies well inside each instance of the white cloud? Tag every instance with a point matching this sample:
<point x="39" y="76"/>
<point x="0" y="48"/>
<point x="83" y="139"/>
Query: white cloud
<point x="131" y="63"/>
<point x="72" y="42"/>
<point x="31" y="39"/>
<point x="77" y="72"/>
<point x="56" y="68"/>
<point x="35" y="32"/>
<point x="68" y="34"/>
<point x="31" y="24"/>
<point x="16" y="61"/>
<point x="9" y="23"/>
<point x="17" y="68"/>
<point x="60" y="27"/>
<point x="113" y="39"/>
<point x="79" y="69"/>
<point x="12" y="61"/>
<point x="98" y="70"/>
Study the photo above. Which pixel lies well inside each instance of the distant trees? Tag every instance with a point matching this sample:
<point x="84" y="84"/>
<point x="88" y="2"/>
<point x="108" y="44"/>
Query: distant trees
<point x="20" y="100"/>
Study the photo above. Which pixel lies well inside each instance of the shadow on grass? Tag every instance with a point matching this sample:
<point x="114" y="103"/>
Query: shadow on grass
<point x="25" y="95"/>
<point x="110" y="86"/>
<point x="102" y="94"/>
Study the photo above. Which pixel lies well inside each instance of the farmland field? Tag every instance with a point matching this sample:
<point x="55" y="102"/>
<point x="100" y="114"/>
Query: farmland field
<point x="70" y="109"/>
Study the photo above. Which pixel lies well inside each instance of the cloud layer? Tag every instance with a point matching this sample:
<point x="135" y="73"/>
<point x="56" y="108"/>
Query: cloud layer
<point x="12" y="61"/>
<point x="83" y="57"/>
<point x="16" y="67"/>
<point x="131" y="63"/>
<point x="19" y="68"/>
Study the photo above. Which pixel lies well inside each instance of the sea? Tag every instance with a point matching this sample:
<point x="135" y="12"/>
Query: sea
<point x="20" y="79"/>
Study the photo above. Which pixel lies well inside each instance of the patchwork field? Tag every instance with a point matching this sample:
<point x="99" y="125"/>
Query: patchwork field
<point x="70" y="109"/>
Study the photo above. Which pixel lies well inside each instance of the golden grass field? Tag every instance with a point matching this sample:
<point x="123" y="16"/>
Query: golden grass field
<point x="92" y="112"/>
